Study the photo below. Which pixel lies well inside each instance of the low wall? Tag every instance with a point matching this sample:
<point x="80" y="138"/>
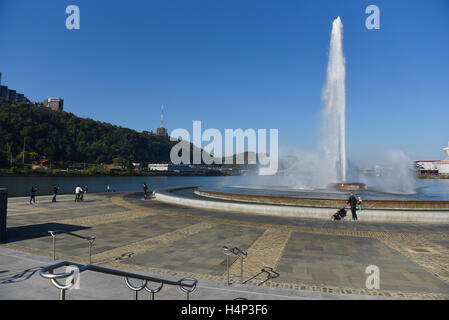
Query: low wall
<point x="384" y="215"/>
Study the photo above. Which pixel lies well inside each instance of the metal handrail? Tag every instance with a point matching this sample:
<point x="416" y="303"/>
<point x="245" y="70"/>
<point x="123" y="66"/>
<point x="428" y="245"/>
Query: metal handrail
<point x="48" y="273"/>
<point x="240" y="254"/>
<point x="90" y="239"/>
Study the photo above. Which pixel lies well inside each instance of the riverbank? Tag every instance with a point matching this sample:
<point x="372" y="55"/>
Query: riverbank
<point x="433" y="176"/>
<point x="208" y="173"/>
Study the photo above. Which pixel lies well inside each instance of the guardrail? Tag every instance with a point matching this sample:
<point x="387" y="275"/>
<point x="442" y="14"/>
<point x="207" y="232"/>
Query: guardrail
<point x="90" y="239"/>
<point x="187" y="285"/>
<point x="240" y="254"/>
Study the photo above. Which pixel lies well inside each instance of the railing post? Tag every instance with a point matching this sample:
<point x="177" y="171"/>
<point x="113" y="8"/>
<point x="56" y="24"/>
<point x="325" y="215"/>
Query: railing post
<point x="54" y="247"/>
<point x="187" y="290"/>
<point x="227" y="252"/>
<point x="62" y="294"/>
<point x="241" y="269"/>
<point x="91" y="242"/>
<point x="53" y="235"/>
<point x="153" y="291"/>
<point x="135" y="289"/>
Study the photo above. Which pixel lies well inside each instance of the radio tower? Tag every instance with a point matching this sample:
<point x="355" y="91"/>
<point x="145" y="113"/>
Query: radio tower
<point x="161" y="131"/>
<point x="162" y="116"/>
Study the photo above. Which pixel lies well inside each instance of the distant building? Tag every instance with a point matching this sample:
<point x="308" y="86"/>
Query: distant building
<point x="174" y="167"/>
<point x="56" y="104"/>
<point x="162" y="131"/>
<point x="20" y="97"/>
<point x="427" y="166"/>
<point x="7" y="94"/>
<point x="433" y="166"/>
<point x="12" y="95"/>
<point x="3" y="93"/>
<point x="443" y="167"/>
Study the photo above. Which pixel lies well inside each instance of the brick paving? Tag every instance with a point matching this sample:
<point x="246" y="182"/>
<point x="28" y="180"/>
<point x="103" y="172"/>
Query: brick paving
<point x="148" y="236"/>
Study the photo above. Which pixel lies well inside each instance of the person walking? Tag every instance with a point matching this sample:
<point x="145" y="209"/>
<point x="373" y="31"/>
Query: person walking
<point x="109" y="188"/>
<point x="145" y="190"/>
<point x="353" y="202"/>
<point x="55" y="192"/>
<point x="359" y="203"/>
<point x="85" y="189"/>
<point x="78" y="192"/>
<point x="33" y="194"/>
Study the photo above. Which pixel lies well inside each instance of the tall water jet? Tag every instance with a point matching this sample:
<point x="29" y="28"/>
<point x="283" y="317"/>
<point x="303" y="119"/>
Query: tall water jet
<point x="334" y="111"/>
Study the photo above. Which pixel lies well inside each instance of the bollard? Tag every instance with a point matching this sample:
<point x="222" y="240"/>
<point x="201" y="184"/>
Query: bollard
<point x="3" y="212"/>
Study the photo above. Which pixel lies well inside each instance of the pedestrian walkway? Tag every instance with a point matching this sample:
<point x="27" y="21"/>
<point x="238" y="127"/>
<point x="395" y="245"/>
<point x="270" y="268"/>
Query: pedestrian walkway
<point x="313" y="259"/>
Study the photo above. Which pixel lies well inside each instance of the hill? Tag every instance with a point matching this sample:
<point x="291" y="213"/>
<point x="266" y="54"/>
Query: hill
<point x="64" y="137"/>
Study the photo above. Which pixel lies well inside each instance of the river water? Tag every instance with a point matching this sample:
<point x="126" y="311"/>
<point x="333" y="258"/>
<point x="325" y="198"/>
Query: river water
<point x="20" y="186"/>
<point x="431" y="189"/>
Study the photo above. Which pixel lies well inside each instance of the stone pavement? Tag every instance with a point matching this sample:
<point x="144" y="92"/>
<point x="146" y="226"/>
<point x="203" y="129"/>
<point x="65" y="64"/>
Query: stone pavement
<point x="314" y="259"/>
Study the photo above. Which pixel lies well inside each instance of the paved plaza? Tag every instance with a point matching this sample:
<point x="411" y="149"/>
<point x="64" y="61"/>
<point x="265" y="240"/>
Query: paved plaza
<point x="310" y="259"/>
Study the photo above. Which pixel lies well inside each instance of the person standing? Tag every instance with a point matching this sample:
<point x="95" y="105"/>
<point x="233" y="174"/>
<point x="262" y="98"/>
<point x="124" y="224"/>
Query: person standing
<point x="145" y="190"/>
<point x="109" y="188"/>
<point x="78" y="191"/>
<point x="359" y="203"/>
<point x="85" y="189"/>
<point x="33" y="194"/>
<point x="352" y="201"/>
<point x="55" y="192"/>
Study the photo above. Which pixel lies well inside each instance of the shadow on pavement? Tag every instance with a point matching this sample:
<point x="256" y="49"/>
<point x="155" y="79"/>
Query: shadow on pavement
<point x="37" y="231"/>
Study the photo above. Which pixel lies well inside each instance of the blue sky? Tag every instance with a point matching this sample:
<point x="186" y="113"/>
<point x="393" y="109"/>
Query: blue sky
<point x="239" y="64"/>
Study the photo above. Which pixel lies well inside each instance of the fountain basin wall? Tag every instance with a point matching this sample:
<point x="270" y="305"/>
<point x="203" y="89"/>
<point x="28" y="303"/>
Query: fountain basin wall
<point x="326" y="203"/>
<point x="308" y="210"/>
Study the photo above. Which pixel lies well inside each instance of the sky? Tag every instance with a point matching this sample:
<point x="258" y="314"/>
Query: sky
<point x="239" y="64"/>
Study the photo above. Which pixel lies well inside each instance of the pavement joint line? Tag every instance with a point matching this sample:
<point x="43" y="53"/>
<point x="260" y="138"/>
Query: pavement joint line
<point x="265" y="251"/>
<point x="99" y="219"/>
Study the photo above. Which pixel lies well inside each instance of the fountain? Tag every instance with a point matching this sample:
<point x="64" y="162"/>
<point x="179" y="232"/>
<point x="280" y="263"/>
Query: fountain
<point x="310" y="184"/>
<point x="334" y="113"/>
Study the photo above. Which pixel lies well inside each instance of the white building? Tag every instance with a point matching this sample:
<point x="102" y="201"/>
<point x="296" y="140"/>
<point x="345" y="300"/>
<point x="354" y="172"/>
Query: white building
<point x="443" y="167"/>
<point x="427" y="165"/>
<point x="434" y="166"/>
<point x="173" y="167"/>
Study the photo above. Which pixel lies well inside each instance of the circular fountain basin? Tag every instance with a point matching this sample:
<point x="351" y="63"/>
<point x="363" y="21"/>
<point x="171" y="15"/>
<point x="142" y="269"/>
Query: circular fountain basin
<point x="420" y="211"/>
<point x="324" y="202"/>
